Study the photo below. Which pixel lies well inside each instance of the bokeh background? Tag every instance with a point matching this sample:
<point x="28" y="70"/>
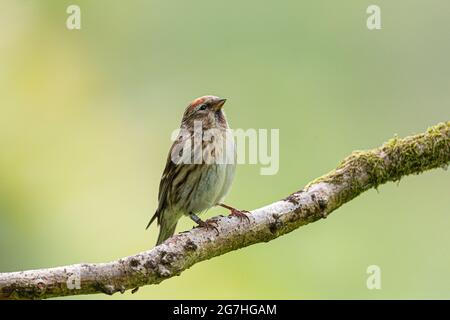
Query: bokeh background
<point x="86" y="118"/>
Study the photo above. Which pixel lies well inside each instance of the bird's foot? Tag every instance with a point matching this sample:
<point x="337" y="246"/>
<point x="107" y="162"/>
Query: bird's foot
<point x="241" y="214"/>
<point x="208" y="224"/>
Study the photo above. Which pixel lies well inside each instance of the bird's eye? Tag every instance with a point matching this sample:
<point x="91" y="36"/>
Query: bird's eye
<point x="202" y="107"/>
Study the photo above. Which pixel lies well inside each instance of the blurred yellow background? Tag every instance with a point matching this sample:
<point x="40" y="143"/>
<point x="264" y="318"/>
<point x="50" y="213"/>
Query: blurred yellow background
<point x="86" y="118"/>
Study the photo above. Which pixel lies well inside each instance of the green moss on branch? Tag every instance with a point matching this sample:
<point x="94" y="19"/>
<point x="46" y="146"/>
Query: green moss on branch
<point x="393" y="160"/>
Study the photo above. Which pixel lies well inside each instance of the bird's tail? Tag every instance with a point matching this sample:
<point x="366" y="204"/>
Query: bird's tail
<point x="165" y="231"/>
<point x="166" y="225"/>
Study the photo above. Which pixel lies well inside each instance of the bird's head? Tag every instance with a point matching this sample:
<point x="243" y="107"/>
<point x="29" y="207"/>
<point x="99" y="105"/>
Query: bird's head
<point x="207" y="110"/>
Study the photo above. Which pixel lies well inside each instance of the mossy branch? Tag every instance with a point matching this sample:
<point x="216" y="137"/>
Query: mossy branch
<point x="359" y="172"/>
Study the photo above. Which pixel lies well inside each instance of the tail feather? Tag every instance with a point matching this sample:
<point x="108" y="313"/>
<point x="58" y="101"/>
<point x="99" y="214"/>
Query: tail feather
<point x="151" y="220"/>
<point x="166" y="225"/>
<point x="165" y="232"/>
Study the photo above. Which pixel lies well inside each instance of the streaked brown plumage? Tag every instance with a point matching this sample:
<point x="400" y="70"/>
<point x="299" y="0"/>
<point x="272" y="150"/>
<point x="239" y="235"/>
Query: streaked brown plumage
<point x="191" y="188"/>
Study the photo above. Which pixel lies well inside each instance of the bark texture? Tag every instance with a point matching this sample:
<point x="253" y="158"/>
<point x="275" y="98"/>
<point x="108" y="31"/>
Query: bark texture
<point x="357" y="173"/>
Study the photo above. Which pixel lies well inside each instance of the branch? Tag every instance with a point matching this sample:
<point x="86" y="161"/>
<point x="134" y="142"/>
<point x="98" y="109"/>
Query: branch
<point x="359" y="172"/>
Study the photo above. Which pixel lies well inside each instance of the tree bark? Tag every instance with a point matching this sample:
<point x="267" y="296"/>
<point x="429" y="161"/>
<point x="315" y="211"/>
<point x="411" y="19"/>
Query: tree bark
<point x="357" y="173"/>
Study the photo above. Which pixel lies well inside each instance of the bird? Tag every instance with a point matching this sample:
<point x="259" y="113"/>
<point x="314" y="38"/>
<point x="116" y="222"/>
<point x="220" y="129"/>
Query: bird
<point x="199" y="169"/>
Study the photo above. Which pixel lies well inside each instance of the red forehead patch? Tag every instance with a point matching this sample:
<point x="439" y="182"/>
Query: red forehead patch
<point x="198" y="101"/>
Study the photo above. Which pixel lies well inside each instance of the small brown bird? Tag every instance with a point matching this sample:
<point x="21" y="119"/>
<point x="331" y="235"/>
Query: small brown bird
<point x="194" y="182"/>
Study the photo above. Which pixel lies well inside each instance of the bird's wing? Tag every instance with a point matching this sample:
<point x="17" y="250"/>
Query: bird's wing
<point x="170" y="172"/>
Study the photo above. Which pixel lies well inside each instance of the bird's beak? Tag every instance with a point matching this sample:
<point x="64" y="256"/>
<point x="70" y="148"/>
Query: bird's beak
<point x="219" y="103"/>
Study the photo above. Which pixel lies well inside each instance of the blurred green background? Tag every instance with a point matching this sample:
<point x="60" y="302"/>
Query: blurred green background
<point x="86" y="118"/>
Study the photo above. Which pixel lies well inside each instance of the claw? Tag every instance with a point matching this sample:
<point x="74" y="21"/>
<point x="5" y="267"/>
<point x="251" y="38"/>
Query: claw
<point x="208" y="224"/>
<point x="241" y="214"/>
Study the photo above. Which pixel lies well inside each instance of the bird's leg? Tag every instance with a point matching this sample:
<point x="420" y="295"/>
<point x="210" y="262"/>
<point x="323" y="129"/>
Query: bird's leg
<point x="241" y="214"/>
<point x="205" y="224"/>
